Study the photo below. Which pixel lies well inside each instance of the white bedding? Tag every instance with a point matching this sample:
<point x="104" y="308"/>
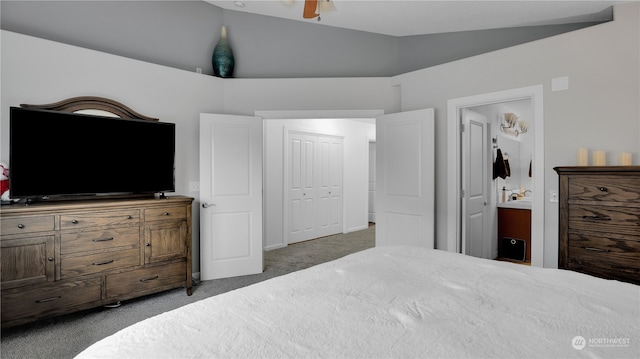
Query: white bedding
<point x="398" y="302"/>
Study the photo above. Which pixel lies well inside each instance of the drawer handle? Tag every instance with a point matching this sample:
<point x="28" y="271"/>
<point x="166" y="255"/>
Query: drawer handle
<point x="596" y="249"/>
<point x="165" y="214"/>
<point x="603" y="189"/>
<point x="102" y="239"/>
<point x="74" y="221"/>
<point x="129" y="217"/>
<point x="48" y="299"/>
<point x="144" y="280"/>
<point x="21" y="226"/>
<point x="103" y="263"/>
<point x="597" y="218"/>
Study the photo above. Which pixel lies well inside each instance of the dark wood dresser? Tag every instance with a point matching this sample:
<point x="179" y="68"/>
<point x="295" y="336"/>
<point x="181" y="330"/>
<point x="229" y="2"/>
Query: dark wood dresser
<point x="600" y="221"/>
<point x="63" y="257"/>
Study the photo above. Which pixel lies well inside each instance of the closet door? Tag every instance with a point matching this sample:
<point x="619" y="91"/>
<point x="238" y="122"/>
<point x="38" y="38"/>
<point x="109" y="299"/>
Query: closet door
<point x="314" y="186"/>
<point x="302" y="183"/>
<point x="330" y="154"/>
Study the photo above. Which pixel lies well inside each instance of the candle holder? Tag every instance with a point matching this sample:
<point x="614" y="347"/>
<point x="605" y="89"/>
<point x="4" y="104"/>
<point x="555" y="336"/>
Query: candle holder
<point x="582" y="158"/>
<point x="624" y="159"/>
<point x="599" y="158"/>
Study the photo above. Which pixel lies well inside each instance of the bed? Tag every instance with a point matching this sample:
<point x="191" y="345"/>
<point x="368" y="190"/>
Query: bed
<point x="398" y="302"/>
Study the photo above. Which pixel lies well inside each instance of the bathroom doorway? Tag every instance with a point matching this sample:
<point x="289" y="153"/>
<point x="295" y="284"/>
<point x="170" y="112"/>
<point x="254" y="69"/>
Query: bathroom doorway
<point x="507" y="181"/>
<point x="532" y="95"/>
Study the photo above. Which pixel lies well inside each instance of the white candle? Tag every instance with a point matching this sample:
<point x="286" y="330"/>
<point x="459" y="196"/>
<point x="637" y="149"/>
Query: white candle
<point x="625" y="159"/>
<point x="583" y="157"/>
<point x="599" y="158"/>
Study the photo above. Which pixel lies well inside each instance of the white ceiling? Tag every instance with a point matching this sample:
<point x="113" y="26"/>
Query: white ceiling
<point x="419" y="17"/>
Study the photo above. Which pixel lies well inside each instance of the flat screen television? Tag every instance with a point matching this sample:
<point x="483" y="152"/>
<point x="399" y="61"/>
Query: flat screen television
<point x="58" y="154"/>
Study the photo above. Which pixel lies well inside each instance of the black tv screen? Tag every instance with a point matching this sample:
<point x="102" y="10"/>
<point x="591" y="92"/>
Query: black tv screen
<point x="64" y="154"/>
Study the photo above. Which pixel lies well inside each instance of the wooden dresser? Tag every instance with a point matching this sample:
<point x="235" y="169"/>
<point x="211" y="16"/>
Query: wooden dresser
<point x="600" y="221"/>
<point x="62" y="257"/>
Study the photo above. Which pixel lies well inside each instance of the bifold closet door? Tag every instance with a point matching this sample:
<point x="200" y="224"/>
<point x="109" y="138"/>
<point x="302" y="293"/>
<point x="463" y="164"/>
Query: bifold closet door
<point x="315" y="189"/>
<point x="302" y="187"/>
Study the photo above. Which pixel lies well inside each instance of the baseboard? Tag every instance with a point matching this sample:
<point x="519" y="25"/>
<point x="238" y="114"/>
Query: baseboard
<point x="355" y="229"/>
<point x="275" y="246"/>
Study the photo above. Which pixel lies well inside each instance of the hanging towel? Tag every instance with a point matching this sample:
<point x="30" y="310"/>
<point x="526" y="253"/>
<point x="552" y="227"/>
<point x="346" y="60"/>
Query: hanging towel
<point x="501" y="166"/>
<point x="507" y="168"/>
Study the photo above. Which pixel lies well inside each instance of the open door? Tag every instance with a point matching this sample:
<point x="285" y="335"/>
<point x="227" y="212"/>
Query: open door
<point x="476" y="223"/>
<point x="230" y="196"/>
<point x="405" y="165"/>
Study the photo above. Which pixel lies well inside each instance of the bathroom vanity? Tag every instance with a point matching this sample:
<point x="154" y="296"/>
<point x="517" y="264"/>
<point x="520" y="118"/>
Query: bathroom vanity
<point x="514" y="221"/>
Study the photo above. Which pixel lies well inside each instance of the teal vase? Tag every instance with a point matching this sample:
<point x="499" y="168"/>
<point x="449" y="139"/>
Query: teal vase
<point x="223" y="61"/>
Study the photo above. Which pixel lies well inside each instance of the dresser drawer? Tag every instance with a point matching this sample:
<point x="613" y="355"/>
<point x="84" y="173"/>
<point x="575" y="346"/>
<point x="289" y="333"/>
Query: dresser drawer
<point x="624" y="220"/>
<point x="97" y="219"/>
<point x="612" y="265"/>
<point x="97" y="240"/>
<point x="611" y="243"/>
<point x="71" y="266"/>
<point x="624" y="189"/>
<point x="17" y="225"/>
<point x="165" y="213"/>
<point x="146" y="280"/>
<point x="43" y="299"/>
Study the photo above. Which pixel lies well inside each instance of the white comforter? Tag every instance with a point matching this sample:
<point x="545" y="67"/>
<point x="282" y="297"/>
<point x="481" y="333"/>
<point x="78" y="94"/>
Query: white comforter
<point x="398" y="302"/>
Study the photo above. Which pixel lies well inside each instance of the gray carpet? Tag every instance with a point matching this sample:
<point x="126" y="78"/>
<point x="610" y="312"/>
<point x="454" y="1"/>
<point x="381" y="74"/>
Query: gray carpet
<point x="66" y="336"/>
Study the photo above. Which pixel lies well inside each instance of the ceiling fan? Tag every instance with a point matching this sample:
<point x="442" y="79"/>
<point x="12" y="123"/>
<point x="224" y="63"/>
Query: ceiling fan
<point x="313" y="8"/>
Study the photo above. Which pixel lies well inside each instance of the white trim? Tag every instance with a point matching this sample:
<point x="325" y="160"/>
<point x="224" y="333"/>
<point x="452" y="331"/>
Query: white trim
<point x="275" y="246"/>
<point x="355" y="229"/>
<point x="453" y="158"/>
<point x="310" y="114"/>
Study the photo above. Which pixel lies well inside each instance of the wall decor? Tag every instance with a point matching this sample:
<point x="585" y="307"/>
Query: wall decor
<point x="222" y="60"/>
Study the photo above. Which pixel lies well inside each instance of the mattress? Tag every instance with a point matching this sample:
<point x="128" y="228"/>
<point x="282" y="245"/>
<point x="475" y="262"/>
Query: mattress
<point x="398" y="302"/>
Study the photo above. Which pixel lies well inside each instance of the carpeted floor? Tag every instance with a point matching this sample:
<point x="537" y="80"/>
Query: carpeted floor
<point x="66" y="336"/>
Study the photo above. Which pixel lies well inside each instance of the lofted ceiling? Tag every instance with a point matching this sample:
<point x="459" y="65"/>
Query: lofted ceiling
<point x="420" y="17"/>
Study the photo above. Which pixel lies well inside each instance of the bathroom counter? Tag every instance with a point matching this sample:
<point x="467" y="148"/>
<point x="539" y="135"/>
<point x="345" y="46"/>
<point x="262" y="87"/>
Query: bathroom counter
<point x="522" y="204"/>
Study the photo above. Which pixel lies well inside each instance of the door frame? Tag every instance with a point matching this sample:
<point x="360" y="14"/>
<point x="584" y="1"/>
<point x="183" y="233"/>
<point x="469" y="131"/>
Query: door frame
<point x="312" y="114"/>
<point x="454" y="218"/>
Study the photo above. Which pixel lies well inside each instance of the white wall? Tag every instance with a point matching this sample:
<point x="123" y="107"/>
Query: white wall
<point x="355" y="171"/>
<point x="599" y="110"/>
<point x="40" y="71"/>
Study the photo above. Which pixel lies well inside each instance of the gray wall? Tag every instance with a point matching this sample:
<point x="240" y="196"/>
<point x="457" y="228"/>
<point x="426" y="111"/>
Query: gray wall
<point x="418" y="52"/>
<point x="182" y="34"/>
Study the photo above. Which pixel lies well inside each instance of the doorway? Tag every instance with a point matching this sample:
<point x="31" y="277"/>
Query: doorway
<point x="355" y="127"/>
<point x="455" y="188"/>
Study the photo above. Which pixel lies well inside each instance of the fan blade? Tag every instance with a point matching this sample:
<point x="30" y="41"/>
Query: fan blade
<point x="310" y="7"/>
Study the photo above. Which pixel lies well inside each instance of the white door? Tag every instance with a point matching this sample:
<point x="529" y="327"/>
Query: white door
<point x="330" y="154"/>
<point x="405" y="178"/>
<point x="476" y="229"/>
<point x="301" y="183"/>
<point x="372" y="182"/>
<point x="230" y="196"/>
<point x="314" y="185"/>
